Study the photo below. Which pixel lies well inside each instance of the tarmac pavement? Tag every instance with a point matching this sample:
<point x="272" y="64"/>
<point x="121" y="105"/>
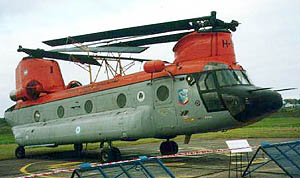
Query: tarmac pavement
<point x="205" y="165"/>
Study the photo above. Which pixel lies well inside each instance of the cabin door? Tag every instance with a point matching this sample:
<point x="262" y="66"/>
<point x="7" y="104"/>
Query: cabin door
<point x="164" y="111"/>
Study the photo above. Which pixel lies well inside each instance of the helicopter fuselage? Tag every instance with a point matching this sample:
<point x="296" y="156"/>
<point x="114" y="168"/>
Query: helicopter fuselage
<point x="203" y="90"/>
<point x="161" y="107"/>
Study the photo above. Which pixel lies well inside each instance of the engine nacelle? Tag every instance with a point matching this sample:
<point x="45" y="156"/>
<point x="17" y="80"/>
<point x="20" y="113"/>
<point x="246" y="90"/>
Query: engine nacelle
<point x="35" y="76"/>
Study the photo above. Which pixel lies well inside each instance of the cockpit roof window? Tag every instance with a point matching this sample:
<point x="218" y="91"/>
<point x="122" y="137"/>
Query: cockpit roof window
<point x="214" y="66"/>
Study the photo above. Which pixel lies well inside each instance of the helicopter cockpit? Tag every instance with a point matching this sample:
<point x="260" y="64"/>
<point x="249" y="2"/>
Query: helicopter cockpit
<point x="210" y="84"/>
<point x="224" y="89"/>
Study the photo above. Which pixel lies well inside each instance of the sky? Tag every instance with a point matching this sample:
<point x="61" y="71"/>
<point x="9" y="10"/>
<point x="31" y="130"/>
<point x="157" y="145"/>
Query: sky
<point x="267" y="42"/>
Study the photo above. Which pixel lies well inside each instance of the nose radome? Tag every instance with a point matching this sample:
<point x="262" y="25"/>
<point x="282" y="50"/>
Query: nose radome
<point x="258" y="105"/>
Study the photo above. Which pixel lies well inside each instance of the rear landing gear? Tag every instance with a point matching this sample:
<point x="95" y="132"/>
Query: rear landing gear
<point x="20" y="152"/>
<point x="110" y="154"/>
<point x="168" y="148"/>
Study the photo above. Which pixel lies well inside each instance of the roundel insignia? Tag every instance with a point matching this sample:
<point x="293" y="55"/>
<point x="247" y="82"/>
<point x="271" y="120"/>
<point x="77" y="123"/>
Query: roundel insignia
<point x="77" y="130"/>
<point x="140" y="96"/>
<point x="182" y="96"/>
<point x="197" y="103"/>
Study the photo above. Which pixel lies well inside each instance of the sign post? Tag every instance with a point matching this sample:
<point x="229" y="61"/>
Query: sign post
<point x="238" y="147"/>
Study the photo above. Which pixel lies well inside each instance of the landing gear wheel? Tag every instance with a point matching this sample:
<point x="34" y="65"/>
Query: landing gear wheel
<point x="20" y="152"/>
<point x="78" y="147"/>
<point x="107" y="155"/>
<point x="110" y="154"/>
<point x="168" y="148"/>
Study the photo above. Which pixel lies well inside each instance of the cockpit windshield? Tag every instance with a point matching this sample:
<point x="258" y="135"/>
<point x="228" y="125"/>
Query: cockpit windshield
<point x="209" y="82"/>
<point x="223" y="78"/>
<point x="232" y="77"/>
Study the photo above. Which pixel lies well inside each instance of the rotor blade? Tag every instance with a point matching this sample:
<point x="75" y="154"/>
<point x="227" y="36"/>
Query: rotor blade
<point x="153" y="40"/>
<point x="112" y="49"/>
<point x="84" y="59"/>
<point x="40" y="53"/>
<point x="126" y="58"/>
<point x="132" y="31"/>
<point x="285" y="89"/>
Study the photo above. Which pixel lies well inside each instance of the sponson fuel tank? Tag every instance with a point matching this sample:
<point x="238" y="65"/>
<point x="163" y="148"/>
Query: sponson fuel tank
<point x="35" y="77"/>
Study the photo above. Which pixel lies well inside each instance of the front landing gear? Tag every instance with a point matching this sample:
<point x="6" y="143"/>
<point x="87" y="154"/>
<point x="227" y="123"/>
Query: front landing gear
<point x="20" y="152"/>
<point x="168" y="148"/>
<point x="110" y="153"/>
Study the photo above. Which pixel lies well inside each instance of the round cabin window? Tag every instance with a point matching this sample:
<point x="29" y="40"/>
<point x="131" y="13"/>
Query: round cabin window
<point x="60" y="111"/>
<point x="37" y="116"/>
<point x="88" y="106"/>
<point x="162" y="93"/>
<point x="121" y="100"/>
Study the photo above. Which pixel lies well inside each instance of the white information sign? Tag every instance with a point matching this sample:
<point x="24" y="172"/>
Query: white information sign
<point x="238" y="146"/>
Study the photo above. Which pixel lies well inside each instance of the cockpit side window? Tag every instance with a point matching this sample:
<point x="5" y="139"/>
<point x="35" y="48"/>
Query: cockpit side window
<point x="206" y="82"/>
<point x="210" y="82"/>
<point x="212" y="101"/>
<point x="202" y="82"/>
<point x="207" y="90"/>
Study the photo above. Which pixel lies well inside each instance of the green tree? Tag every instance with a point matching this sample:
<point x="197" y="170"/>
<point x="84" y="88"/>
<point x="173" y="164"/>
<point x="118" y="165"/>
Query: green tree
<point x="292" y="101"/>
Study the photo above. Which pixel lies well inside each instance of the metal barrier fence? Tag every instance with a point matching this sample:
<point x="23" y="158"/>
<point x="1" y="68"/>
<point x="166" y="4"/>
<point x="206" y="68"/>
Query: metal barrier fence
<point x="142" y="167"/>
<point x="285" y="155"/>
<point x="191" y="153"/>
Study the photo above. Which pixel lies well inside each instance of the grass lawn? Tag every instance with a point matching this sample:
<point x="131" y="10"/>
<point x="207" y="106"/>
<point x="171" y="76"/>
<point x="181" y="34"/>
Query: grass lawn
<point x="6" y="135"/>
<point x="283" y="127"/>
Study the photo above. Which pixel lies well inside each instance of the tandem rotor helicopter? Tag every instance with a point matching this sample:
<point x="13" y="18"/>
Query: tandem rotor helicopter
<point x="202" y="90"/>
